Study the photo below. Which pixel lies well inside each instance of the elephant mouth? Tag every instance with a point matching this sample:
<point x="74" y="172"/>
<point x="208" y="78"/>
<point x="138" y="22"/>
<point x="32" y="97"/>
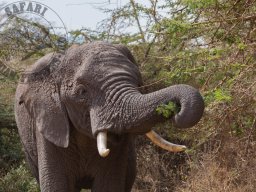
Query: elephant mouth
<point x="104" y="151"/>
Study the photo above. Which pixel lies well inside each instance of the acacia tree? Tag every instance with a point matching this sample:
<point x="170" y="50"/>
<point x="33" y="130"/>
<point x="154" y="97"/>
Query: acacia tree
<point x="24" y="39"/>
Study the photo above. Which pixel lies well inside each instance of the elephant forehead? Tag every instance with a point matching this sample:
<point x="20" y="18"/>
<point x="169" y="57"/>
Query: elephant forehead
<point x="104" y="73"/>
<point x="103" y="66"/>
<point x="101" y="61"/>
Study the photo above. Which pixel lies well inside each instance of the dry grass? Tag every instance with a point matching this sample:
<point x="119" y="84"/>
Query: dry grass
<point x="229" y="170"/>
<point x="219" y="161"/>
<point x="158" y="170"/>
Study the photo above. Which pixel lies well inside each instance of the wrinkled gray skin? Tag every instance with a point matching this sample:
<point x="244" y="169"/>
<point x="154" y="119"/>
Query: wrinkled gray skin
<point x="60" y="109"/>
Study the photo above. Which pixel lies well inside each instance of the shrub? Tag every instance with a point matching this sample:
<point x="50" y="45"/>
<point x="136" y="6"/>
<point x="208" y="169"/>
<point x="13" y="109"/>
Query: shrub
<point x="18" y="180"/>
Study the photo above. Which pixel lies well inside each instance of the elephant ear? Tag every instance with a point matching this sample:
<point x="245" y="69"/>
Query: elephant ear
<point x="125" y="51"/>
<point x="49" y="113"/>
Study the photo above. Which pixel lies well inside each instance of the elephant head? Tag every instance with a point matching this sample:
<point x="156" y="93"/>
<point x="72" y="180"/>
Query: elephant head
<point x="95" y="90"/>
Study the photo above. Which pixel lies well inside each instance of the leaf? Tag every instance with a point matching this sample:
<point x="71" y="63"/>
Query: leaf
<point x="167" y="110"/>
<point x="222" y="96"/>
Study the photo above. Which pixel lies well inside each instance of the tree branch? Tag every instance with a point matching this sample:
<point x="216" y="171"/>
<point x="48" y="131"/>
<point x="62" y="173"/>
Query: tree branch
<point x="137" y="20"/>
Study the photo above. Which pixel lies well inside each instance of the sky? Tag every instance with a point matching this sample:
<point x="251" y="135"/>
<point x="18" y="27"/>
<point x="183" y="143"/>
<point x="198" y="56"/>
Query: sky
<point x="76" y="14"/>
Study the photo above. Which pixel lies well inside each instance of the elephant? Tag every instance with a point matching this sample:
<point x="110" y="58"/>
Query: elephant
<point x="78" y="114"/>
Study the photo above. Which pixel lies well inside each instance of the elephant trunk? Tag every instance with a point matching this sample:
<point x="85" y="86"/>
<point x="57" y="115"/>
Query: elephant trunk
<point x="188" y="98"/>
<point x="138" y="114"/>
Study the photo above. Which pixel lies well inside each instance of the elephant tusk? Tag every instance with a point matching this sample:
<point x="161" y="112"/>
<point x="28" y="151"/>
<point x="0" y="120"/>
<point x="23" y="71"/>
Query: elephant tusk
<point x="102" y="144"/>
<point x="159" y="141"/>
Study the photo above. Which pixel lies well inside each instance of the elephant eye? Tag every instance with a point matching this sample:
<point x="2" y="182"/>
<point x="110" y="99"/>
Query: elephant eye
<point x="81" y="91"/>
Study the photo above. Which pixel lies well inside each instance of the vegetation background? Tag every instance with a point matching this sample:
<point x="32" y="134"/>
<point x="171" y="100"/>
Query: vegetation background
<point x="209" y="44"/>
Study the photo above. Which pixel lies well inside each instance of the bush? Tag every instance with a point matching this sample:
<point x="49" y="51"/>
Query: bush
<point x="18" y="180"/>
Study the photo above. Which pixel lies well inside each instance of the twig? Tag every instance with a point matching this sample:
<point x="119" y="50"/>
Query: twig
<point x="148" y="85"/>
<point x="251" y="17"/>
<point x="137" y="20"/>
<point x="253" y="127"/>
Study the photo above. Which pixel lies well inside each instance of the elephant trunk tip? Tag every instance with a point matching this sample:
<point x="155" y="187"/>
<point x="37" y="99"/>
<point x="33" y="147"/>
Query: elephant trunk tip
<point x="192" y="110"/>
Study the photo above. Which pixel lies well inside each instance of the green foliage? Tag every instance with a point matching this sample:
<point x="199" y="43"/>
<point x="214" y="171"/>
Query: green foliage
<point x="241" y="46"/>
<point x="198" y="4"/>
<point x="10" y="149"/>
<point x="18" y="180"/>
<point x="217" y="96"/>
<point x="7" y="87"/>
<point x="222" y="96"/>
<point x="167" y="110"/>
